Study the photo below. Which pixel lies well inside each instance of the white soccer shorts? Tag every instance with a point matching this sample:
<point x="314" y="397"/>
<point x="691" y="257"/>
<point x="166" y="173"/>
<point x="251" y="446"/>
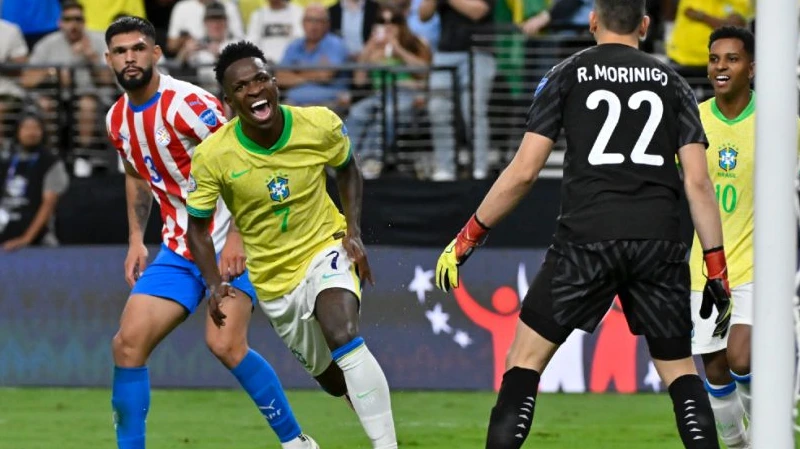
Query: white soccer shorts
<point x="703" y="342"/>
<point x="292" y="315"/>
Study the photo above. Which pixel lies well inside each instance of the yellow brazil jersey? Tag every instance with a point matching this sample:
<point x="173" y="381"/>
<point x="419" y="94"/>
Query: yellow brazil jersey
<point x="688" y="44"/>
<point x="730" y="158"/>
<point x="100" y="13"/>
<point x="277" y="195"/>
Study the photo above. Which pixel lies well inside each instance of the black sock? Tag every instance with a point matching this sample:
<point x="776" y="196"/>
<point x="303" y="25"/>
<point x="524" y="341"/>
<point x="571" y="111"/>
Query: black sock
<point x="512" y="415"/>
<point x="693" y="413"/>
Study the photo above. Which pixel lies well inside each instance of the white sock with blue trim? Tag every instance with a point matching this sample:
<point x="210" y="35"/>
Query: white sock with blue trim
<point x="743" y="388"/>
<point x="369" y="392"/>
<point x="728" y="414"/>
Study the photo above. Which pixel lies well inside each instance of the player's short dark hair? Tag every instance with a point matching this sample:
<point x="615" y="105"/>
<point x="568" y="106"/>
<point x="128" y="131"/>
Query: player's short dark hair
<point x="130" y="24"/>
<point x="71" y="4"/>
<point x="620" y="16"/>
<point x="235" y="52"/>
<point x="734" y="32"/>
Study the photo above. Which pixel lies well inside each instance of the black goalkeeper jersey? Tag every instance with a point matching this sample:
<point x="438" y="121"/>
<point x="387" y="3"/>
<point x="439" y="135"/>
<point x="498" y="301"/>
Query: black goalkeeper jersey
<point x="625" y="115"/>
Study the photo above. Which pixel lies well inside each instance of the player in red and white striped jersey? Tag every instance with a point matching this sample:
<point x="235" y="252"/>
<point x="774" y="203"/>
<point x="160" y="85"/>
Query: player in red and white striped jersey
<point x="155" y="127"/>
<point x="157" y="139"/>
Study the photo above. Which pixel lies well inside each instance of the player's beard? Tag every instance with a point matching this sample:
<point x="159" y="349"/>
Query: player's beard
<point x="135" y="83"/>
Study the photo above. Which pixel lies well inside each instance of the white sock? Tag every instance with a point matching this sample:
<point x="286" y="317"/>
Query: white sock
<point x="301" y="442"/>
<point x="369" y="392"/>
<point x="743" y="389"/>
<point x="728" y="414"/>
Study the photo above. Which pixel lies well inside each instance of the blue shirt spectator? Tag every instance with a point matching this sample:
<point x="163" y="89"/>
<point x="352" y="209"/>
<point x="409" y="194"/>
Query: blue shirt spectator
<point x="34" y="22"/>
<point x="318" y="48"/>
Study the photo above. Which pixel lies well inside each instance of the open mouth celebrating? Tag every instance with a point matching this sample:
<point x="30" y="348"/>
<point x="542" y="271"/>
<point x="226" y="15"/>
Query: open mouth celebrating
<point x="262" y="110"/>
<point x="722" y="80"/>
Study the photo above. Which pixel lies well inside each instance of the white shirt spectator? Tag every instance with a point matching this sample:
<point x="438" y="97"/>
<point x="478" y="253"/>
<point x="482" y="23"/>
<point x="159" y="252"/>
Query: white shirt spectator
<point x="55" y="49"/>
<point x="187" y="15"/>
<point x="272" y="29"/>
<point x="12" y="47"/>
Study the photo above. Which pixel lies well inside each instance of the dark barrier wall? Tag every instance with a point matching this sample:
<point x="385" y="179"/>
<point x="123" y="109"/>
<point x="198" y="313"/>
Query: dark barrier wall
<point x="396" y="212"/>
<point x="59" y="309"/>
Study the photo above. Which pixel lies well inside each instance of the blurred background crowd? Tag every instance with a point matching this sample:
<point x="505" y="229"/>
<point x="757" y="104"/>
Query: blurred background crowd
<point x="429" y="89"/>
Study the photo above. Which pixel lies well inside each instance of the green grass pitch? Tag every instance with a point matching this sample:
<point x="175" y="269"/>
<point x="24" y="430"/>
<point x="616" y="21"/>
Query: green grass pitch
<point x="216" y="419"/>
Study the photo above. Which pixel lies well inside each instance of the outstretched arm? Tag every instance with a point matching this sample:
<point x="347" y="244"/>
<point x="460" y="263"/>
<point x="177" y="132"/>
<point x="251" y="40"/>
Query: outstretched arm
<point x="516" y="180"/>
<point x="512" y="185"/>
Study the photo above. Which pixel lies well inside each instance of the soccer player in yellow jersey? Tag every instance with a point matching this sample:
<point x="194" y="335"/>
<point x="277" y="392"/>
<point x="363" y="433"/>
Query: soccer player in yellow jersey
<point x="729" y="123"/>
<point x="306" y="260"/>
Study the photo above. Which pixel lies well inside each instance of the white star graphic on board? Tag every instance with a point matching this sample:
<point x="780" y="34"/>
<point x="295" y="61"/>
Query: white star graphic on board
<point x="652" y="377"/>
<point x="438" y="320"/>
<point x="421" y="283"/>
<point x="462" y="338"/>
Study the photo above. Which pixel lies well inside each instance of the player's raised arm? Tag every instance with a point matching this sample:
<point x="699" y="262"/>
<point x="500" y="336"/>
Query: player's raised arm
<point x="139" y="199"/>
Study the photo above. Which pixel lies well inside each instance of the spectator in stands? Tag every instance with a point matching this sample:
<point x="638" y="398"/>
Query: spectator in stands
<point x="158" y="13"/>
<point x="304" y="3"/>
<point x="565" y="17"/>
<point x="319" y="47"/>
<point x="13" y="50"/>
<point x="687" y="48"/>
<point x="200" y="55"/>
<point x="100" y="13"/>
<point x="80" y="53"/>
<point x="353" y="20"/>
<point x="429" y="30"/>
<point x="31" y="180"/>
<point x="392" y="44"/>
<point x="36" y="21"/>
<point x="273" y="26"/>
<point x="461" y="21"/>
<point x="186" y="22"/>
<point x="248" y="7"/>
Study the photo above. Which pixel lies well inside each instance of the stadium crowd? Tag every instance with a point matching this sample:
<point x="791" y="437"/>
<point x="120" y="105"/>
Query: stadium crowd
<point x="427" y="88"/>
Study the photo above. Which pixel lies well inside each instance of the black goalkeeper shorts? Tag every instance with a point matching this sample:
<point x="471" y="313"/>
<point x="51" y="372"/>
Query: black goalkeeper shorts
<point x="577" y="284"/>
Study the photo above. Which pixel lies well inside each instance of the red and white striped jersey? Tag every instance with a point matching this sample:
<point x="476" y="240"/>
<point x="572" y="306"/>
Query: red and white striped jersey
<point x="158" y="138"/>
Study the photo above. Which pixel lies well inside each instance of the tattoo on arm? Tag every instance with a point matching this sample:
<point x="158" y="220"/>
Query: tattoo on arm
<point x="142" y="205"/>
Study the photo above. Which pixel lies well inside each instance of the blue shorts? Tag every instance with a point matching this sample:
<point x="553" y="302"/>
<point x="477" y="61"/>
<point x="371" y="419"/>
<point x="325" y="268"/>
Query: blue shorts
<point x="170" y="276"/>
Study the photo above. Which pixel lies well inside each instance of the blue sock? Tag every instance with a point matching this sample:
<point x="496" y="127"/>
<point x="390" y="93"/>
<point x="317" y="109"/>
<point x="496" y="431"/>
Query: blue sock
<point x="130" y="399"/>
<point x="262" y="384"/>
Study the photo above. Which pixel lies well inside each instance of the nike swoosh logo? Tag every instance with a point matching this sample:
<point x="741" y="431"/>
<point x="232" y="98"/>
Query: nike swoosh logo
<point x="365" y="394"/>
<point x="328" y="276"/>
<point x="237" y="174"/>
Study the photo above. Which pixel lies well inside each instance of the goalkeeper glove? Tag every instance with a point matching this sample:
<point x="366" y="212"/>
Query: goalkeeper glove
<point x="473" y="234"/>
<point x="717" y="292"/>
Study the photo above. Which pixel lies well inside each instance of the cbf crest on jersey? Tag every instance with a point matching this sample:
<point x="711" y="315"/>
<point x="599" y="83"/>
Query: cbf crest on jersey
<point x="727" y="158"/>
<point x="278" y="187"/>
<point x="192" y="184"/>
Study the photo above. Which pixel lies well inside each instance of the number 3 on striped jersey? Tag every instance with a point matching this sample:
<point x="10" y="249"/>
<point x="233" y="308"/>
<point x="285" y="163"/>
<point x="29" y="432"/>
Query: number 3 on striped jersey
<point x="151" y="167"/>
<point x="285" y="221"/>
<point x="598" y="156"/>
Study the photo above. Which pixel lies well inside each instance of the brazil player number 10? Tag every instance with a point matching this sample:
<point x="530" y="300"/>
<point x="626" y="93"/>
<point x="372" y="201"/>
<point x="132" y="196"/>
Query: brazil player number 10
<point x="726" y="197"/>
